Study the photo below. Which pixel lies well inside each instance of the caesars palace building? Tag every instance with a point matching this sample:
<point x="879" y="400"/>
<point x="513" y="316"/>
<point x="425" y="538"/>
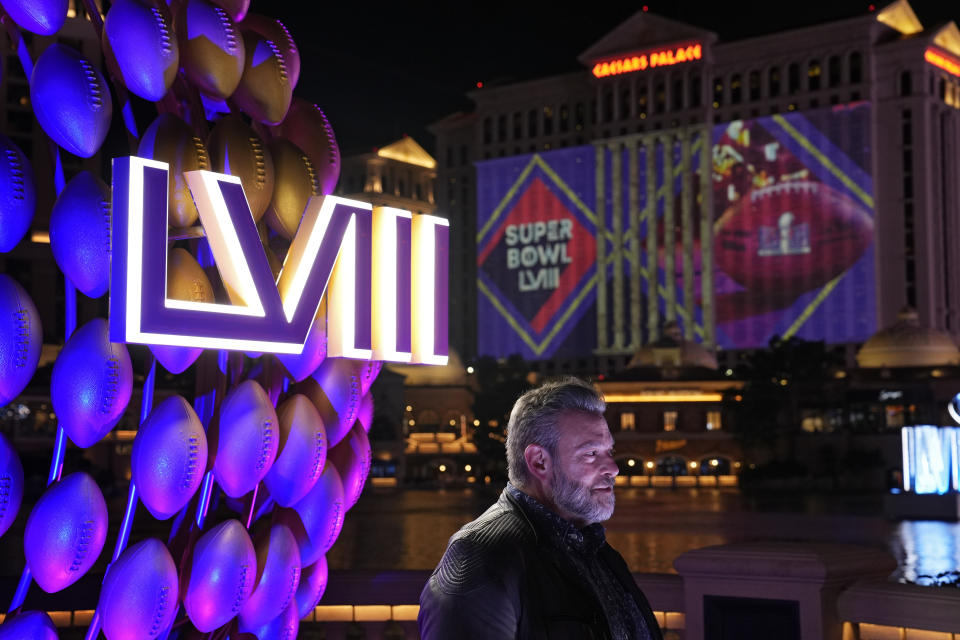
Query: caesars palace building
<point x="803" y="183"/>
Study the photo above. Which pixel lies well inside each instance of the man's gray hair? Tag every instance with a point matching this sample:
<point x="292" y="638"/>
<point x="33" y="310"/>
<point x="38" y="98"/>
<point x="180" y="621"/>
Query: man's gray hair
<point x="533" y="419"/>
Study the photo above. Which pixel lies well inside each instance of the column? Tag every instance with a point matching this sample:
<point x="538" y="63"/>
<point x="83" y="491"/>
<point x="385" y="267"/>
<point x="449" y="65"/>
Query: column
<point x="636" y="330"/>
<point x="706" y="235"/>
<point x="601" y="281"/>
<point x="616" y="185"/>
<point x="669" y="230"/>
<point x="686" y="222"/>
<point x="650" y="213"/>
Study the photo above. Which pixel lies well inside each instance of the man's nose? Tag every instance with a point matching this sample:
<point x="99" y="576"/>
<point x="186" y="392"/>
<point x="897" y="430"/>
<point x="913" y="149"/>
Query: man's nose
<point x="611" y="467"/>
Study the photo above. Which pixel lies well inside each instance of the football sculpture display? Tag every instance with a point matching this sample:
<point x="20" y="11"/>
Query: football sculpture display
<point x="138" y="40"/>
<point x="169" y="456"/>
<point x="21" y="338"/>
<point x="80" y="233"/>
<point x="138" y="600"/>
<point x="19" y="195"/>
<point x="791" y="237"/>
<point x="71" y="100"/>
<point x="11" y="484"/>
<point x="65" y="532"/>
<point x="91" y="383"/>
<point x="219" y="80"/>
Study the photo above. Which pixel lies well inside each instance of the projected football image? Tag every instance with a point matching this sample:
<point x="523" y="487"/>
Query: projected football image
<point x="793" y="226"/>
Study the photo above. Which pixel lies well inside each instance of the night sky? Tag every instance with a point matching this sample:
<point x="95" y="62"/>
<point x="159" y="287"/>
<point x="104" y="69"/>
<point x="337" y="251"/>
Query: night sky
<point x="381" y="70"/>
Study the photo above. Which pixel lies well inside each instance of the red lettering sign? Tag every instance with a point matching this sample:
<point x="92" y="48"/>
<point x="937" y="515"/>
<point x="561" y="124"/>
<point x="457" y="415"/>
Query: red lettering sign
<point x="649" y="59"/>
<point x="942" y="61"/>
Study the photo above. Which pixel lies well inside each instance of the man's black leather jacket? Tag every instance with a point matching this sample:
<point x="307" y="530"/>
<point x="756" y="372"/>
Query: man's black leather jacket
<point x="497" y="581"/>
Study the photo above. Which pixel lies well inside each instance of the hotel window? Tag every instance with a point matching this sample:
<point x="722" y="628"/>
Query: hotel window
<point x="676" y="93"/>
<point x="532" y="123"/>
<point x="501" y="128"/>
<point x="463" y="154"/>
<point x="793" y="78"/>
<point x="773" y="80"/>
<point x="856" y="67"/>
<point x="608" y="106"/>
<point x="714" y="422"/>
<point x="625" y="101"/>
<point x="564" y="118"/>
<point x="642" y="100"/>
<point x="754" y="85"/>
<point x="628" y="422"/>
<point x="659" y="96"/>
<point x="695" y="90"/>
<point x="449" y="156"/>
<point x="578" y="117"/>
<point x="487" y="130"/>
<point x="736" y="89"/>
<point x="717" y="93"/>
<point x="813" y="75"/>
<point x="548" y="121"/>
<point x="669" y="420"/>
<point x="517" y="125"/>
<point x="833" y="71"/>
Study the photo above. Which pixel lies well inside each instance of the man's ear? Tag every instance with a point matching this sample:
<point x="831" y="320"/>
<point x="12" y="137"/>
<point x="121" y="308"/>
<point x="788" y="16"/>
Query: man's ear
<point x="538" y="461"/>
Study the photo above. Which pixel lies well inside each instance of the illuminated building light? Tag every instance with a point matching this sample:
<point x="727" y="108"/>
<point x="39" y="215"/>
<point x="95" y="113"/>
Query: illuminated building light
<point x="408" y="152"/>
<point x="442" y="468"/>
<point x="693" y="465"/>
<point x="631" y="462"/>
<point x="40" y="237"/>
<point x="476" y="423"/>
<point x="664" y="396"/>
<point x="650" y="465"/>
<point x="468" y="468"/>
<point x="429" y="283"/>
<point x="648" y="60"/>
<point x="409" y="408"/>
<point x="412" y="422"/>
<point x="943" y="61"/>
<point x="391" y="313"/>
<point x="714" y="462"/>
<point x="899" y="16"/>
<point x="931" y="459"/>
<point x="469" y="369"/>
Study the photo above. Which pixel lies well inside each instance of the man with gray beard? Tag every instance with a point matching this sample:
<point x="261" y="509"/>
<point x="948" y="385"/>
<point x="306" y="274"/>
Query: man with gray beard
<point x="536" y="564"/>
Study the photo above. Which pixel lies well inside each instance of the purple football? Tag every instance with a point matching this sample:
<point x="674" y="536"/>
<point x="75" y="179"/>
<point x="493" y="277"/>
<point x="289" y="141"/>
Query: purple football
<point x="171" y="140"/>
<point x="42" y="17"/>
<point x="365" y="413"/>
<point x="11" y="484"/>
<point x="71" y="100"/>
<point x="169" y="457"/>
<point x="342" y="383"/>
<point x="278" y="575"/>
<point x="211" y="48"/>
<point x="317" y="518"/>
<point x="29" y="625"/>
<point x="19" y="194"/>
<point x="236" y="8"/>
<point x="138" y="600"/>
<point x="91" y="383"/>
<point x="243" y="439"/>
<point x="65" y="532"/>
<point x="314" y="351"/>
<point x="283" y="627"/>
<point x="220" y="576"/>
<point x="302" y="451"/>
<point x="21" y="338"/>
<point x="80" y="233"/>
<point x="352" y="459"/>
<point x="368" y="370"/>
<point x="138" y="36"/>
<point x="313" y="582"/>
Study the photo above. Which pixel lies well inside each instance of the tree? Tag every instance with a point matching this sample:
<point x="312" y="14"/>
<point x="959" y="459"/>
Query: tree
<point x="499" y="384"/>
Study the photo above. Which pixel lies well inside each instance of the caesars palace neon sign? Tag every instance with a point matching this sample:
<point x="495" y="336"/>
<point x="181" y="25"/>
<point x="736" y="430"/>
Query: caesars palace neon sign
<point x="384" y="272"/>
<point x="942" y="61"/>
<point x="647" y="60"/>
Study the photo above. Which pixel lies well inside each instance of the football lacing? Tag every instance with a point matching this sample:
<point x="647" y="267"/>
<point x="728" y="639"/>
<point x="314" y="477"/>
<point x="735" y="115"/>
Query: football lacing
<point x="267" y="440"/>
<point x="112" y="384"/>
<point x="16" y="173"/>
<point x="295" y="580"/>
<point x="312" y="173"/>
<point x="83" y="544"/>
<point x="318" y="454"/>
<point x="229" y="31"/>
<point x="337" y="521"/>
<point x="96" y="98"/>
<point x="259" y="159"/>
<point x="240" y="599"/>
<point x="6" y="488"/>
<point x="166" y="44"/>
<point x="278" y="54"/>
<point x="290" y="42"/>
<point x="193" y="453"/>
<point x="162" y="602"/>
<point x="21" y="341"/>
<point x="201" y="151"/>
<point x="331" y="141"/>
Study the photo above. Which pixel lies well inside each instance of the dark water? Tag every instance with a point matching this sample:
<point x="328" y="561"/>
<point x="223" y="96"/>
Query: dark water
<point x="409" y="528"/>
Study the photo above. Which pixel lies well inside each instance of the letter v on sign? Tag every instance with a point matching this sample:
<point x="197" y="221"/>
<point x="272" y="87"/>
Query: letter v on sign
<point x="386" y="270"/>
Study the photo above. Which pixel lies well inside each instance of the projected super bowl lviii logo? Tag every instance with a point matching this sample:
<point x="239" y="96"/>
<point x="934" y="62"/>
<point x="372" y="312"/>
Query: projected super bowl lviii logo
<point x="384" y="272"/>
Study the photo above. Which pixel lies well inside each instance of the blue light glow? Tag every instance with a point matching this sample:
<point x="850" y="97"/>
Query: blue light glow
<point x="931" y="459"/>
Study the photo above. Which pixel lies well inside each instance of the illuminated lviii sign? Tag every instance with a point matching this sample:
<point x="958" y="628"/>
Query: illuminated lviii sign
<point x="647" y="60"/>
<point x="384" y="272"/>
